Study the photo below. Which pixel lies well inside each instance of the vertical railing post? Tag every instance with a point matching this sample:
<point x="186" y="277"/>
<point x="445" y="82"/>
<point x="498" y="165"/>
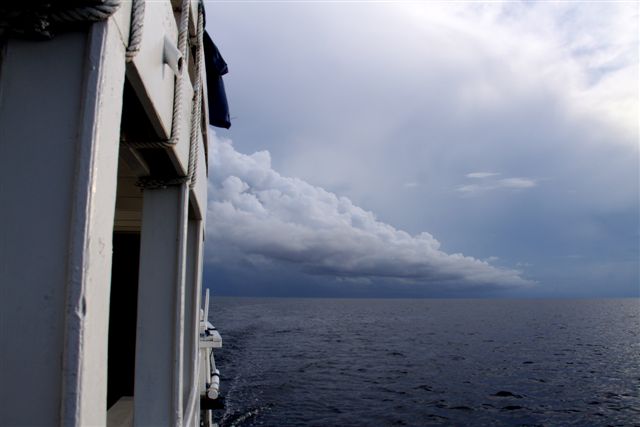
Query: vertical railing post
<point x="159" y="360"/>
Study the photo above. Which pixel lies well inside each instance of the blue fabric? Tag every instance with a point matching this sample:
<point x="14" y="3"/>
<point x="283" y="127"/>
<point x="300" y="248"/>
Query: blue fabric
<point x="217" y="97"/>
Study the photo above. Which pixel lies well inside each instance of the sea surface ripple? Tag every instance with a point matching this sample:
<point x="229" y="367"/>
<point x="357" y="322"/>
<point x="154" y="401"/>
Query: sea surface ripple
<point x="364" y="362"/>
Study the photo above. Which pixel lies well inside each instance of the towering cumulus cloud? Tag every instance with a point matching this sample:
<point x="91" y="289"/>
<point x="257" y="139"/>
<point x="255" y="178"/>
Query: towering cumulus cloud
<point x="258" y="215"/>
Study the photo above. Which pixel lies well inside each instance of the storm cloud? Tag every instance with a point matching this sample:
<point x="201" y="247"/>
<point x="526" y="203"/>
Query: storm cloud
<point x="259" y="215"/>
<point x="508" y="130"/>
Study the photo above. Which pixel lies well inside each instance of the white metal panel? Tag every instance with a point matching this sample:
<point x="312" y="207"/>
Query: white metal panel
<point x="162" y="259"/>
<point x="199" y="192"/>
<point x="179" y="153"/>
<point x="193" y="279"/>
<point x="122" y="19"/>
<point x="151" y="78"/>
<point x="37" y="149"/>
<point x="96" y="181"/>
<point x="60" y="108"/>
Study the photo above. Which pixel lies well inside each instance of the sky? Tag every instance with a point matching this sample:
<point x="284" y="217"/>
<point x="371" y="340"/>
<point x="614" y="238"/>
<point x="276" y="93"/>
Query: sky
<point x="414" y="149"/>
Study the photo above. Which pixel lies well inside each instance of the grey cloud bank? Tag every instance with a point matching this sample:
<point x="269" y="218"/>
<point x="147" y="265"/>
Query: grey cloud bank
<point x="258" y="216"/>
<point x="507" y="130"/>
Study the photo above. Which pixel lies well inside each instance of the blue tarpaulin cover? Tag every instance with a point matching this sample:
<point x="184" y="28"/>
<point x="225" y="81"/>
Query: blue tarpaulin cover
<point x="217" y="97"/>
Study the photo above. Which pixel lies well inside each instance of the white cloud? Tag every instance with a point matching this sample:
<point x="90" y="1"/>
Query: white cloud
<point x="585" y="52"/>
<point x="376" y="96"/>
<point x="255" y="213"/>
<point x="516" y="183"/>
<point x="488" y="183"/>
<point x="481" y="175"/>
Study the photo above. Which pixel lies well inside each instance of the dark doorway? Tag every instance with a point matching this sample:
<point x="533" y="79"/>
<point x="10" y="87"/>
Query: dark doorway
<point x="122" y="315"/>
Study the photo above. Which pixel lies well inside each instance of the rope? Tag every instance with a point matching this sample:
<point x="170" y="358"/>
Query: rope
<point x="135" y="30"/>
<point x="183" y="45"/>
<point x="42" y="20"/>
<point x="177" y="93"/>
<point x="197" y="101"/>
<point x="93" y="13"/>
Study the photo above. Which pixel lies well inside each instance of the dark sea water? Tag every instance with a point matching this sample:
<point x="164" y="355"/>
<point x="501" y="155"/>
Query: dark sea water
<point x="341" y="362"/>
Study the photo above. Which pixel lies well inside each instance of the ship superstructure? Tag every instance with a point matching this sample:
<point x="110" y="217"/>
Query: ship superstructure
<point x="103" y="131"/>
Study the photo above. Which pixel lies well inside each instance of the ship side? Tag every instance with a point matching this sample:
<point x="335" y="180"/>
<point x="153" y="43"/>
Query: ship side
<point x="103" y="133"/>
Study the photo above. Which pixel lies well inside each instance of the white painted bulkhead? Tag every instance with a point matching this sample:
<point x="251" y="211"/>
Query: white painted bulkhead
<point x="63" y="195"/>
<point x="60" y="137"/>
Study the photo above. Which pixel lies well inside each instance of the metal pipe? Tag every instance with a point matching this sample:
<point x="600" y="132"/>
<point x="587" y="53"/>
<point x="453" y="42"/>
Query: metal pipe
<point x="206" y="306"/>
<point x="172" y="56"/>
<point x="195" y="346"/>
<point x="178" y="337"/>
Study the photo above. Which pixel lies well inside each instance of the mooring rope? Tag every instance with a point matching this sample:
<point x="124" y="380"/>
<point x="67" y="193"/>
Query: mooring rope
<point x="92" y="13"/>
<point x="197" y="100"/>
<point x="179" y="88"/>
<point x="41" y="20"/>
<point x="196" y="110"/>
<point x="135" y="29"/>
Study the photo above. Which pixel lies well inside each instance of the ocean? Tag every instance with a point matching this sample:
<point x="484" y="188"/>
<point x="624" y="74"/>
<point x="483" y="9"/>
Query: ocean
<point x="390" y="362"/>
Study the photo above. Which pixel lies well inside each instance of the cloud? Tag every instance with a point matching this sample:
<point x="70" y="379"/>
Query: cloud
<point x="586" y="53"/>
<point x="488" y="183"/>
<point x="257" y="215"/>
<point x="517" y="183"/>
<point x="381" y="94"/>
<point x="481" y="174"/>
